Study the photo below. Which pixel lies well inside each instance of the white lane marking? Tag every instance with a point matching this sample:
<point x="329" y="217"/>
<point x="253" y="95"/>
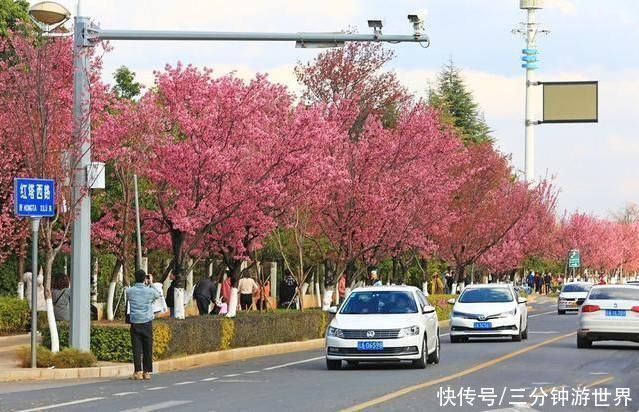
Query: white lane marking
<point x="232" y="375"/>
<point x="292" y="363"/>
<point x="158" y="406"/>
<point x="156" y="388"/>
<point x="124" y="393"/>
<point x="209" y="379"/>
<point x="183" y="383"/>
<point x="251" y="372"/>
<point x="541" y="314"/>
<point x="598" y="373"/>
<point x="62" y="405"/>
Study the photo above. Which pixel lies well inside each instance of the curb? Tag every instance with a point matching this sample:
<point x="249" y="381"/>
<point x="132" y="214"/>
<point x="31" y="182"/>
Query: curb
<point x="167" y="365"/>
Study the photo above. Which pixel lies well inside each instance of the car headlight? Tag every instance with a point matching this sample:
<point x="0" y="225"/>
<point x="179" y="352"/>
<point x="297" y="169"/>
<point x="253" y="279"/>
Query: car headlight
<point x="334" y="332"/>
<point x="456" y="314"/>
<point x="410" y="331"/>
<point x="508" y="314"/>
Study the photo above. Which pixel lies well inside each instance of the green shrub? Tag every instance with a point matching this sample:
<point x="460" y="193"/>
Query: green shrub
<point x="442" y="307"/>
<point x="67" y="358"/>
<point x="201" y="334"/>
<point x="14" y="316"/>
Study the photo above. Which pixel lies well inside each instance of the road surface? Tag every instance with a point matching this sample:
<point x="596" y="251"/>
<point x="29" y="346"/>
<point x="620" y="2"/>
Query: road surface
<point x="469" y="376"/>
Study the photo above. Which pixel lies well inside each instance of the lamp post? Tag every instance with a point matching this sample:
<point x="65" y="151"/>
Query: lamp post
<point x="85" y="36"/>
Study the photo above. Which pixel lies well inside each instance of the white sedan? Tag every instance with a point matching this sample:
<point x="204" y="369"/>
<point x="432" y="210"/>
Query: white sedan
<point x="383" y="323"/>
<point x="610" y="312"/>
<point x="489" y="310"/>
<point x="571" y="295"/>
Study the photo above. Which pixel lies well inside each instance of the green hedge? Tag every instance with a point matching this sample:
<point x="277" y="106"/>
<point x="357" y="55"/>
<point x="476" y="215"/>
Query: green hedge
<point x="15" y="316"/>
<point x="200" y="334"/>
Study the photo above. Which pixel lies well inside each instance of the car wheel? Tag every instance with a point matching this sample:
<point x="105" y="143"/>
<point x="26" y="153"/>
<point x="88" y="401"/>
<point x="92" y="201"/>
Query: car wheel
<point x="524" y="334"/>
<point x="561" y="312"/>
<point x="434" y="357"/>
<point x="353" y="363"/>
<point x="517" y="337"/>
<point x="333" y="365"/>
<point x="421" y="362"/>
<point x="583" y="342"/>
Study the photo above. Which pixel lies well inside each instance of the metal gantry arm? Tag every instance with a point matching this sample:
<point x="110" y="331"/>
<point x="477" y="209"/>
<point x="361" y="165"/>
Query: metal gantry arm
<point x="97" y="34"/>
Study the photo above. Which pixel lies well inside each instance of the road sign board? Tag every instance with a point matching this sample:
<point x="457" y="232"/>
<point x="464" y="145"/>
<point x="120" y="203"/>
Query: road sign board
<point x="34" y="197"/>
<point x="574" y="259"/>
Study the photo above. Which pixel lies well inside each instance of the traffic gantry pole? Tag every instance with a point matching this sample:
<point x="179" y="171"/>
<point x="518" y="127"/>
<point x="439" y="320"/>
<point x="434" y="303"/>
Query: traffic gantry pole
<point x="81" y="236"/>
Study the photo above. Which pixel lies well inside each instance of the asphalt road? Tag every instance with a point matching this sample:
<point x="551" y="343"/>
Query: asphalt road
<point x="469" y="376"/>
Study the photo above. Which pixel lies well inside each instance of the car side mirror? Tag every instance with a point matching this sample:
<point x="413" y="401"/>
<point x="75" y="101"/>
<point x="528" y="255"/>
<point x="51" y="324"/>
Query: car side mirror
<point x="332" y="309"/>
<point x="428" y="309"/>
<point x="522" y="299"/>
<point x="451" y="301"/>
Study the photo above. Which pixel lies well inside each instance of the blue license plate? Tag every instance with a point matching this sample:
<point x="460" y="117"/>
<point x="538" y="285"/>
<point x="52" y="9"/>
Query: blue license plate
<point x="612" y="312"/>
<point x="370" y="345"/>
<point x="483" y="325"/>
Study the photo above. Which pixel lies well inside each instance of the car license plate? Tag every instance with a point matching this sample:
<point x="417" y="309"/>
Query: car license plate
<point x="370" y="345"/>
<point x="483" y="325"/>
<point x="612" y="312"/>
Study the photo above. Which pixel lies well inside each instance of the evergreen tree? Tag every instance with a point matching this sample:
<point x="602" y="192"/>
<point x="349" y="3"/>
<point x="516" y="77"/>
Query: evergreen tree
<point x="12" y="12"/>
<point x="458" y="107"/>
<point x="125" y="85"/>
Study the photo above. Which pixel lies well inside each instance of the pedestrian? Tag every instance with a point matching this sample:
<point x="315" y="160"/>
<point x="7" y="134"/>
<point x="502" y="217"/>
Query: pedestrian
<point x="61" y="297"/>
<point x="373" y="279"/>
<point x="140" y="299"/>
<point x="449" y="282"/>
<point x="288" y="290"/>
<point x="341" y="289"/>
<point x="204" y="293"/>
<point x="530" y="280"/>
<point x="262" y="295"/>
<point x="247" y="286"/>
<point x="548" y="282"/>
<point x="159" y="305"/>
<point x="170" y="296"/>
<point x="41" y="304"/>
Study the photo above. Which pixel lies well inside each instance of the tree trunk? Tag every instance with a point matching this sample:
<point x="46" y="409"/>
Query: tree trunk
<point x="111" y="294"/>
<point x="53" y="327"/>
<point x="177" y="243"/>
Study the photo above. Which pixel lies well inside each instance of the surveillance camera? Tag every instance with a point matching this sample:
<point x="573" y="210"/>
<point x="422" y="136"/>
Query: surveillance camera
<point x="375" y="24"/>
<point x="418" y="24"/>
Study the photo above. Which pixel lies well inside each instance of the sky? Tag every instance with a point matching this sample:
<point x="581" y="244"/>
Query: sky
<point x="594" y="165"/>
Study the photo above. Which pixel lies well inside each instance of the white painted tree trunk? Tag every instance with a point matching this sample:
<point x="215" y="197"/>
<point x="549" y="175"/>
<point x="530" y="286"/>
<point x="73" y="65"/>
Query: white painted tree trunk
<point x="110" y="299"/>
<point x="318" y="295"/>
<point x="425" y="288"/>
<point x="166" y="284"/>
<point x="232" y="311"/>
<point x="53" y="328"/>
<point x="328" y="298"/>
<point x="20" y="290"/>
<point x="178" y="300"/>
<point x="189" y="285"/>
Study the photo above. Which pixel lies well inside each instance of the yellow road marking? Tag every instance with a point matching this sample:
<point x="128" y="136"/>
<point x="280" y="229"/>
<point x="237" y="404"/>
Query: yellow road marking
<point x="600" y="382"/>
<point x="427" y="384"/>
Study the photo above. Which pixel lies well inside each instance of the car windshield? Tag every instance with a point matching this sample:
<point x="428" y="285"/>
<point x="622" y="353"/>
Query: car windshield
<point x="486" y="295"/>
<point x="574" y="287"/>
<point x="614" y="294"/>
<point x="386" y="302"/>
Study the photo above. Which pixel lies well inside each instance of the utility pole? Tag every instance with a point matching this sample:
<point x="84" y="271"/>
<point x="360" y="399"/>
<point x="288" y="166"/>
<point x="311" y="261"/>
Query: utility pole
<point x="529" y="31"/>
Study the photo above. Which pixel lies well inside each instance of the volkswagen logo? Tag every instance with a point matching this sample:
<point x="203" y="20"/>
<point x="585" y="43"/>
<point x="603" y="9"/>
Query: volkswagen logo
<point x="370" y="334"/>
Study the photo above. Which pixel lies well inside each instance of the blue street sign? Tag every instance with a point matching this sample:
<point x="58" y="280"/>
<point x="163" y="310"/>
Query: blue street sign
<point x="34" y="197"/>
